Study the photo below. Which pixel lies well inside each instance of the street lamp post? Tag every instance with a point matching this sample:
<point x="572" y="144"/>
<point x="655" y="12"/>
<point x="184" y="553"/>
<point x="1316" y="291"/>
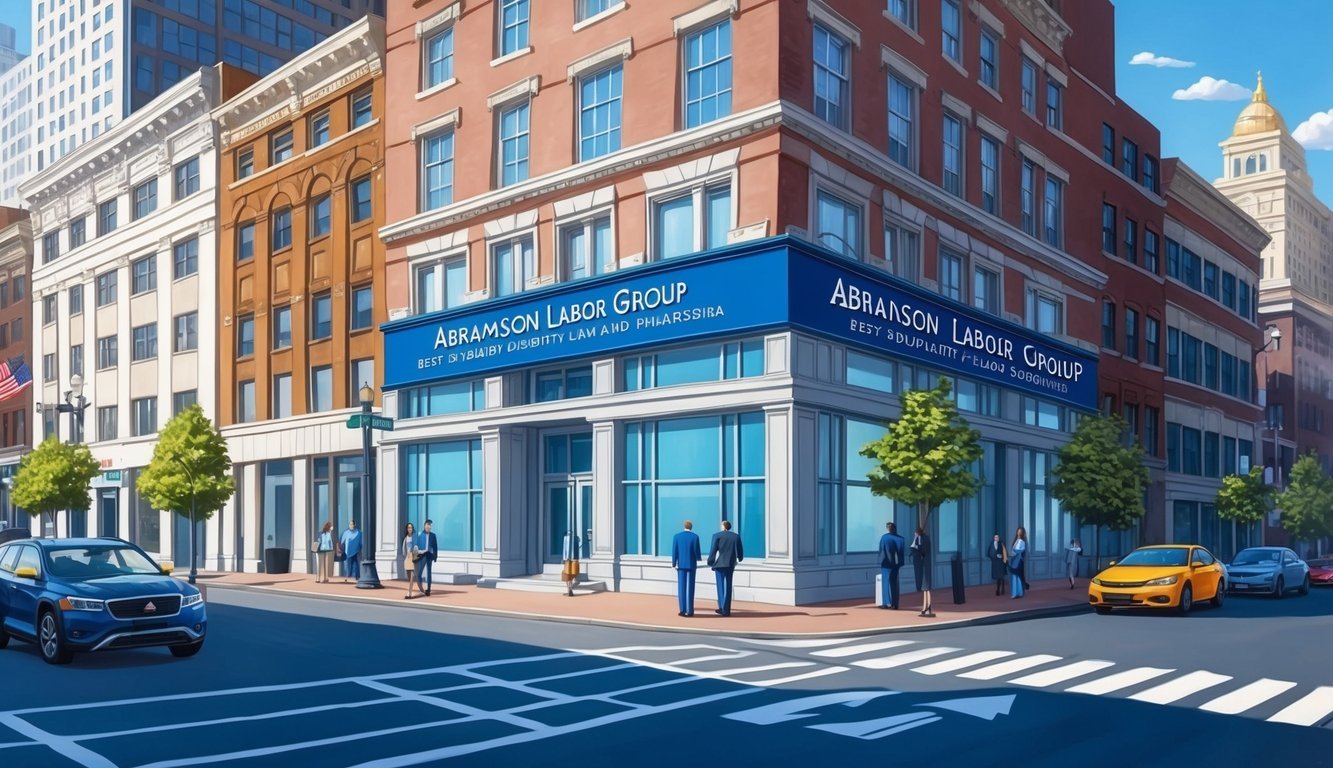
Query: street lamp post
<point x="194" y="568"/>
<point x="75" y="404"/>
<point x="1274" y="339"/>
<point x="369" y="578"/>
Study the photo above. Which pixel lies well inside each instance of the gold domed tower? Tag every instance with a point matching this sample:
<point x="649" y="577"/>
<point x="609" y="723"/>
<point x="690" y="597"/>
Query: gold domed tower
<point x="1258" y="116"/>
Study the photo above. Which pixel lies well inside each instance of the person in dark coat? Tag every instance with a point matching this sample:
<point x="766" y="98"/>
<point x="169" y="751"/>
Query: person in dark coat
<point x="999" y="563"/>
<point x="891" y="547"/>
<point x="685" y="558"/>
<point x="723" y="555"/>
<point x="921" y="568"/>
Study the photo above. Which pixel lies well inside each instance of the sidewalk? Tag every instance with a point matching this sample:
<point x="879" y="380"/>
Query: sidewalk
<point x="622" y="609"/>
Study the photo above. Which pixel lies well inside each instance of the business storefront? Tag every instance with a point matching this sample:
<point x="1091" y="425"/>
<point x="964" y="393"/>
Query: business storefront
<point x="738" y="384"/>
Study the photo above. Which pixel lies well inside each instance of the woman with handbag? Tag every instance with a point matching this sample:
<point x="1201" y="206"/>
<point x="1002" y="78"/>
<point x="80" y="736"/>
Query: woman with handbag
<point x="569" y="571"/>
<point x="410" y="554"/>
<point x="324" y="551"/>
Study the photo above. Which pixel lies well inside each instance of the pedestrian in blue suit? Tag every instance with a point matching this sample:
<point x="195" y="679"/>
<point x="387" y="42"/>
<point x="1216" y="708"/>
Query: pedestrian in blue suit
<point x="891" y="549"/>
<point x="723" y="555"/>
<point x="351" y="543"/>
<point x="685" y="556"/>
<point x="430" y="548"/>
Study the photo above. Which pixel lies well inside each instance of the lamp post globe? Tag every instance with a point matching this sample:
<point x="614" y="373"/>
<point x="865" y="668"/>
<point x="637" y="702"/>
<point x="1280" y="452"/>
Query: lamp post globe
<point x="369" y="578"/>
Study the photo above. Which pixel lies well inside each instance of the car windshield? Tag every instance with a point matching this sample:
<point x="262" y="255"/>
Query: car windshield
<point x="99" y="561"/>
<point x="1257" y="556"/>
<point x="1158" y="557"/>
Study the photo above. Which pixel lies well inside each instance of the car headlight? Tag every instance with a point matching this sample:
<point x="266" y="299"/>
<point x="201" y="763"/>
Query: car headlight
<point x="1165" y="581"/>
<point x="1096" y="581"/>
<point x="190" y="600"/>
<point x="81" y="604"/>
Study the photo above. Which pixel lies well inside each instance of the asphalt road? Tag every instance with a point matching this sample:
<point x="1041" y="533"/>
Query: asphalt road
<point x="292" y="681"/>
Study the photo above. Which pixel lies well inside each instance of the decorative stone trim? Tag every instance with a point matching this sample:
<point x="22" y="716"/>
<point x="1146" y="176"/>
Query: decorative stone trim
<point x="451" y="119"/>
<point x="816" y="10"/>
<point x="527" y="87"/>
<point x="704" y="14"/>
<point x="620" y="51"/>
<point x="450" y="13"/>
<point x="902" y="66"/>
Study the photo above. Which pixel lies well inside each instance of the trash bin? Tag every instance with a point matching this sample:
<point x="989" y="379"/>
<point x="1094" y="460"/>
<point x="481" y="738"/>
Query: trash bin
<point x="959" y="593"/>
<point x="277" y="560"/>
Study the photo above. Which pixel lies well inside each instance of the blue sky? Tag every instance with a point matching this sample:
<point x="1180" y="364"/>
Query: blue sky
<point x="1228" y="40"/>
<point x="18" y="14"/>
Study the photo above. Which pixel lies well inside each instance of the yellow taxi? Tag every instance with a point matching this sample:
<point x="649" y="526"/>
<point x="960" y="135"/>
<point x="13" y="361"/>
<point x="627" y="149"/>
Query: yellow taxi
<point x="1167" y="576"/>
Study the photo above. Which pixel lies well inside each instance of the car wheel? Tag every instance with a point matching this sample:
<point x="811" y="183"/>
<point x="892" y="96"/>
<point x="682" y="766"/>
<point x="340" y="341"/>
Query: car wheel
<point x="1102" y="609"/>
<point x="1279" y="589"/>
<point x="51" y="641"/>
<point x="1186" y="599"/>
<point x="1305" y="589"/>
<point x="186" y="651"/>
<point x="1221" y="594"/>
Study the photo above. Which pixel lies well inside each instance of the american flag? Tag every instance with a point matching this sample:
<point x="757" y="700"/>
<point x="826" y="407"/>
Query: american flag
<point x="14" y="376"/>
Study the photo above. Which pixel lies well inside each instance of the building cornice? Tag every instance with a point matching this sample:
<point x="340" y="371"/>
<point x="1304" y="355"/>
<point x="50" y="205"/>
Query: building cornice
<point x="1191" y="190"/>
<point x="1042" y="21"/>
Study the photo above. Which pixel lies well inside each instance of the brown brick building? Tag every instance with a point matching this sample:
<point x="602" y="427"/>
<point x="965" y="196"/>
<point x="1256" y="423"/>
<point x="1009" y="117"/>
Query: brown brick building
<point x="15" y="342"/>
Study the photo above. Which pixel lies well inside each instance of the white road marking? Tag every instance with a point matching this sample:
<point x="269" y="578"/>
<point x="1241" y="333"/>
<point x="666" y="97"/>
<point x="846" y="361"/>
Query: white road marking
<point x="1010" y="667"/>
<point x="768" y="667"/>
<point x="794" y="678"/>
<point x="902" y="659"/>
<point x="1060" y="674"/>
<point x="1175" y="690"/>
<point x="816" y="642"/>
<point x="1317" y="705"/>
<point x="962" y="662"/>
<point x="856" y="650"/>
<point x="1247" y="697"/>
<point x="65" y="746"/>
<point x="1112" y="683"/>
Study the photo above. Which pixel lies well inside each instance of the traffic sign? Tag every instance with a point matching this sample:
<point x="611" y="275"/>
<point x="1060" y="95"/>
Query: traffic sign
<point x="357" y="420"/>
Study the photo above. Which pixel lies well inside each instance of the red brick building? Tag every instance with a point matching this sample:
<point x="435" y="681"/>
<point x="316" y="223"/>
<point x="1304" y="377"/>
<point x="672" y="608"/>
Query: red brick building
<point x="15" y="342"/>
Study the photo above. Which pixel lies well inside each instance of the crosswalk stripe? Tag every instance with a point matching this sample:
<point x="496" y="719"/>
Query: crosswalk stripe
<point x="1175" y="690"/>
<point x="794" y="678"/>
<point x="1247" y="697"/>
<point x="1010" y="667"/>
<point x="962" y="662"/>
<point x="901" y="659"/>
<point x="1313" y="708"/>
<point x="1060" y="674"/>
<point x="856" y="650"/>
<point x="1119" y="680"/>
<point x="815" y="642"/>
<point x="766" y="667"/>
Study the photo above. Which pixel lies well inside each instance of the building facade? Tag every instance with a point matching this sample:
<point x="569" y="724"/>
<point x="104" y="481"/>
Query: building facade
<point x="17" y="128"/>
<point x="300" y="294"/>
<point x="15" y="347"/>
<point x="122" y="290"/>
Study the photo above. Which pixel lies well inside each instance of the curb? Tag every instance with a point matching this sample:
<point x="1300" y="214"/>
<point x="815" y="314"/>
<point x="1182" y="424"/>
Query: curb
<point x="997" y="618"/>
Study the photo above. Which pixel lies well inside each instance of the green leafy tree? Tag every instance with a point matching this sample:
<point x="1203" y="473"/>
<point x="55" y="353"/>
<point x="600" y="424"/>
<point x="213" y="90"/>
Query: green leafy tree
<point x="1100" y="477"/>
<point x="55" y="476"/>
<point x="190" y="471"/>
<point x="1244" y="499"/>
<point x="925" y="457"/>
<point x="1305" y="504"/>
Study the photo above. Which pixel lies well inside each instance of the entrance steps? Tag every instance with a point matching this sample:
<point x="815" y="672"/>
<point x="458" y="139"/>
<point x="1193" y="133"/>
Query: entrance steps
<point x="545" y="582"/>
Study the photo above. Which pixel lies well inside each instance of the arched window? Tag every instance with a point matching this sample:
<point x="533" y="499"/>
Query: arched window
<point x="1235" y="166"/>
<point x="1249" y="165"/>
<point x="1263" y="163"/>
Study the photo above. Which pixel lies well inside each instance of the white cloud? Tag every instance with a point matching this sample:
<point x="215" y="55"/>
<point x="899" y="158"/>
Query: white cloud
<point x="1316" y="132"/>
<point x="1148" y="58"/>
<point x="1209" y="89"/>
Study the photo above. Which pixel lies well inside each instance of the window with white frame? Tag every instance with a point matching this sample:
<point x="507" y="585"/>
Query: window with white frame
<point x="437" y="170"/>
<point x="951" y="26"/>
<point x="437" y="66"/>
<point x="951" y="275"/>
<point x="986" y="289"/>
<point x="586" y="247"/>
<point x="513" y="25"/>
<point x="1028" y="87"/>
<point x="990" y="58"/>
<point x="440" y="283"/>
<point x="832" y="78"/>
<point x="1045" y="312"/>
<point x="589" y="8"/>
<point x="708" y="74"/>
<point x="838" y="224"/>
<point x="599" y="112"/>
<point x="902" y="120"/>
<point x="902" y="251"/>
<point x="1027" y="194"/>
<point x="952" y="179"/>
<point x="904" y="11"/>
<point x="513" y="127"/>
<point x="691" y="220"/>
<point x="1053" y="205"/>
<point x="1054" y="106"/>
<point x="514" y="263"/>
<point x="319" y="129"/>
<point x="143" y="274"/>
<point x="990" y="175"/>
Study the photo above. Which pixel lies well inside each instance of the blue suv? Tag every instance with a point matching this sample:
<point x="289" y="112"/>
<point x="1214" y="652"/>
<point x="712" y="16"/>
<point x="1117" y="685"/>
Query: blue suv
<point x="70" y="595"/>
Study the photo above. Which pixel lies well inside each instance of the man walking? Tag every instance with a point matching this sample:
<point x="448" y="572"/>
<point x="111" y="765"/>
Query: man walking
<point x="723" y="555"/>
<point x="685" y="557"/>
<point x="351" y="543"/>
<point x="891" y="547"/>
<point x="430" y="549"/>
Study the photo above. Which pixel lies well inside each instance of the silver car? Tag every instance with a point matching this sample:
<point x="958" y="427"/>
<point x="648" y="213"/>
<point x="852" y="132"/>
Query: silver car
<point x="1268" y="570"/>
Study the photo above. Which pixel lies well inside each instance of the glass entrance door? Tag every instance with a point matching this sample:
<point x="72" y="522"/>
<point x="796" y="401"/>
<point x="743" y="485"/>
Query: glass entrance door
<point x="108" y="512"/>
<point x="568" y="507"/>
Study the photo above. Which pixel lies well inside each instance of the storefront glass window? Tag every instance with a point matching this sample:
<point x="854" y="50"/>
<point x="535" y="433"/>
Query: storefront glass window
<point x="438" y="399"/>
<point x="693" y="365"/>
<point x="442" y="482"/>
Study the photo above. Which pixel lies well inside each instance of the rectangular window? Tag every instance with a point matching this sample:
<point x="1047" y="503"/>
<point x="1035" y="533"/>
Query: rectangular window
<point x="832" y="78"/>
<point x="319" y="129"/>
<point x="78" y="232"/>
<point x="182" y="400"/>
<point x="1210" y="367"/>
<point x="952" y="179"/>
<point x="245" y="162"/>
<point x="438" y="66"/>
<point x="514" y="144"/>
<point x="562" y="384"/>
<point x="282" y="230"/>
<point x="50" y="247"/>
<point x="1108" y="228"/>
<point x="1108" y="145"/>
<point x="245" y="402"/>
<point x="1045" y="312"/>
<point x="436" y="399"/>
<point x="1029" y="87"/>
<point x="1228" y="374"/>
<point x="1131" y="333"/>
<point x="186" y="178"/>
<point x="1190" y="451"/>
<point x="1108" y="324"/>
<point x="708" y="74"/>
<point x="108" y="422"/>
<point x="838" y="224"/>
<point x="185" y="258"/>
<point x="282" y="396"/>
<point x="691" y="222"/>
<point x="1150" y="252"/>
<point x="145" y="199"/>
<point x="1172" y="258"/>
<point x="106" y="353"/>
<point x="143" y="275"/>
<point x="49" y="373"/>
<point x="282" y="145"/>
<point x="245" y="241"/>
<point x="363" y="374"/>
<point x="440" y="284"/>
<point x="1129" y="159"/>
<point x="444" y="479"/>
<point x="1053" y="211"/>
<point x="362" y="308"/>
<point x="106" y="218"/>
<point x="514" y="17"/>
<point x="321" y="389"/>
<point x="245" y="335"/>
<point x="1243" y="302"/>
<point x="1054" y="112"/>
<point x="902" y="121"/>
<point x="1151" y="419"/>
<point x="187" y="332"/>
<point x="145" y="342"/>
<point x="48" y="309"/>
<point x="951" y="25"/>
<point x="321" y="317"/>
<point x="437" y="171"/>
<point x="76" y="300"/>
<point x="904" y="11"/>
<point x="321" y="216"/>
<point x="951" y="275"/>
<point x="1027" y="197"/>
<point x="1210" y="281"/>
<point x="586" y="248"/>
<point x="1172" y="353"/>
<point x="1189" y="358"/>
<point x="1191" y="269"/>
<point x="986" y="290"/>
<point x="361" y="202"/>
<point x="990" y="175"/>
<point x="1229" y="291"/>
<point x="599" y="113"/>
<point x="361" y="108"/>
<point x="1131" y="241"/>
<point x="76" y="359"/>
<point x="990" y="59"/>
<point x="902" y="251"/>
<point x="1150" y="173"/>
<point x="282" y="327"/>
<point x="106" y="288"/>
<point x="1152" y="340"/>
<point x="514" y="264"/>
